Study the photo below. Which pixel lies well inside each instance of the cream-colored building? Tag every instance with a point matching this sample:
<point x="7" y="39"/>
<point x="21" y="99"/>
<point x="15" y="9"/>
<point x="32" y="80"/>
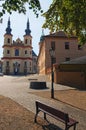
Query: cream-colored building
<point x="17" y="55"/>
<point x="65" y="48"/>
<point x="34" y="63"/>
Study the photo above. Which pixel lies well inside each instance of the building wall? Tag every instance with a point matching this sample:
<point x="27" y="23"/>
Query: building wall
<point x="34" y="64"/>
<point x="69" y="78"/>
<point x="61" y="54"/>
<point x="6" y="36"/>
<point x="25" y="55"/>
<point x="41" y="60"/>
<point x="74" y="79"/>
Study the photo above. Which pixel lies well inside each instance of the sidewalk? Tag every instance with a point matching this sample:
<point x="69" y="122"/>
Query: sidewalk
<point x="17" y="88"/>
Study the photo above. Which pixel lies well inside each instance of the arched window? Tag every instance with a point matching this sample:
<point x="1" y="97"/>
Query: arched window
<point x="17" y="52"/>
<point x="25" y="51"/>
<point x="8" y="40"/>
<point x="26" y="41"/>
<point x="25" y="64"/>
<point x="8" y="51"/>
<point x="7" y="63"/>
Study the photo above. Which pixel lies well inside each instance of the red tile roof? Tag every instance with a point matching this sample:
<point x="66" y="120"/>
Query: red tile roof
<point x="59" y="34"/>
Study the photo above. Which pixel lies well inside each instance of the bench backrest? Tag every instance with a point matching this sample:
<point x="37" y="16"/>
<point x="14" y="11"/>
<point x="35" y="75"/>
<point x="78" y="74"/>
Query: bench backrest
<point x="57" y="113"/>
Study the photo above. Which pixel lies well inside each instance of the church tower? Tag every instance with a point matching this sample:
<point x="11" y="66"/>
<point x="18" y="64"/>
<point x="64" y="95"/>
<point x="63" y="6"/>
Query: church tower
<point x="6" y="48"/>
<point x="27" y="36"/>
<point x="28" y="46"/>
<point x="17" y="55"/>
<point x="8" y="35"/>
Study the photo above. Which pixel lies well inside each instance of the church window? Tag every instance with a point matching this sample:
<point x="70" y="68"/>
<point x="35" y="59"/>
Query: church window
<point x="30" y="41"/>
<point x="25" y="51"/>
<point x="26" y="41"/>
<point x="8" y="52"/>
<point x="17" y="52"/>
<point x="25" y="63"/>
<point x="8" y="40"/>
<point x="30" y="63"/>
<point x="7" y="63"/>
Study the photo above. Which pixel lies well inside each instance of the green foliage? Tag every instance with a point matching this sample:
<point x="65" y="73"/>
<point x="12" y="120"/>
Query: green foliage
<point x="67" y="15"/>
<point x="20" y="6"/>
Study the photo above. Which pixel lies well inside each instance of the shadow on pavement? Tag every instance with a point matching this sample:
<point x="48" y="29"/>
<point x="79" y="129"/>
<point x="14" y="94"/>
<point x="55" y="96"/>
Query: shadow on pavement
<point x="51" y="127"/>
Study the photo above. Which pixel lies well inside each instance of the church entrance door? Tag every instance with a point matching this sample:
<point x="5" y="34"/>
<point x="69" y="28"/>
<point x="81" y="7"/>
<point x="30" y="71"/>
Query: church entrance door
<point x="16" y="68"/>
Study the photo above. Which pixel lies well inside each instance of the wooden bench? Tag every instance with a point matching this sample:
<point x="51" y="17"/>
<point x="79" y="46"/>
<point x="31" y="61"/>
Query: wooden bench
<point x="57" y="114"/>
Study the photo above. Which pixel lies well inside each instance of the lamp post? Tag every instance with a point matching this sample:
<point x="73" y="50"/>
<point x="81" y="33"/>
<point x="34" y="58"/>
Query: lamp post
<point x="52" y="53"/>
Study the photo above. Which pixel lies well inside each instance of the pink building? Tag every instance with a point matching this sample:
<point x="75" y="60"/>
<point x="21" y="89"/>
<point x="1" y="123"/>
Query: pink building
<point x="66" y="48"/>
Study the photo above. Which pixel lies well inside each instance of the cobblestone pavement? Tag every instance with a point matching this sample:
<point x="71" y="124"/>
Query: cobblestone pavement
<point x="17" y="88"/>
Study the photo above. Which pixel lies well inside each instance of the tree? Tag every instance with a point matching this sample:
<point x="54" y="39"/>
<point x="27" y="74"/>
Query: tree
<point x="20" y="6"/>
<point x="67" y="15"/>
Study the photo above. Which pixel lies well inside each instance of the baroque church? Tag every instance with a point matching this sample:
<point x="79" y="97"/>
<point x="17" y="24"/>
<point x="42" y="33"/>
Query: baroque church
<point x="18" y="55"/>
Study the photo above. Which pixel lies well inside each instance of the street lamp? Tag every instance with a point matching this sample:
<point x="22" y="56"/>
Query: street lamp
<point x="52" y="54"/>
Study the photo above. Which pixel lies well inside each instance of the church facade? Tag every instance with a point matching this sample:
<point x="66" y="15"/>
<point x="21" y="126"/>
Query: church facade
<point x="17" y="55"/>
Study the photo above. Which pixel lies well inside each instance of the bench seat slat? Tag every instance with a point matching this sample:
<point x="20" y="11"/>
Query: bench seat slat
<point x="52" y="115"/>
<point x="54" y="112"/>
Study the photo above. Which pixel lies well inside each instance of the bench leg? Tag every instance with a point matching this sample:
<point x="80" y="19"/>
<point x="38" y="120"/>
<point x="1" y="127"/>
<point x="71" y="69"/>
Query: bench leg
<point x="35" y="119"/>
<point x="66" y="128"/>
<point x="44" y="115"/>
<point x="75" y="127"/>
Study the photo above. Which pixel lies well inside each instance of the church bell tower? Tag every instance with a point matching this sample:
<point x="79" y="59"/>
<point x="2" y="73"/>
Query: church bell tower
<point x="8" y="35"/>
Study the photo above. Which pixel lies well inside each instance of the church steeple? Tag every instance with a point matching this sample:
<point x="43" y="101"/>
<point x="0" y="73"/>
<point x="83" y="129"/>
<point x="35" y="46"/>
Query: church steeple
<point x="42" y="36"/>
<point x="8" y="29"/>
<point x="28" y="31"/>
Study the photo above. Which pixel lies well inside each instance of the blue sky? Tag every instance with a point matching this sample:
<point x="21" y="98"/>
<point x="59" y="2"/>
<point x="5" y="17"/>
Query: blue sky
<point x="18" y="25"/>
